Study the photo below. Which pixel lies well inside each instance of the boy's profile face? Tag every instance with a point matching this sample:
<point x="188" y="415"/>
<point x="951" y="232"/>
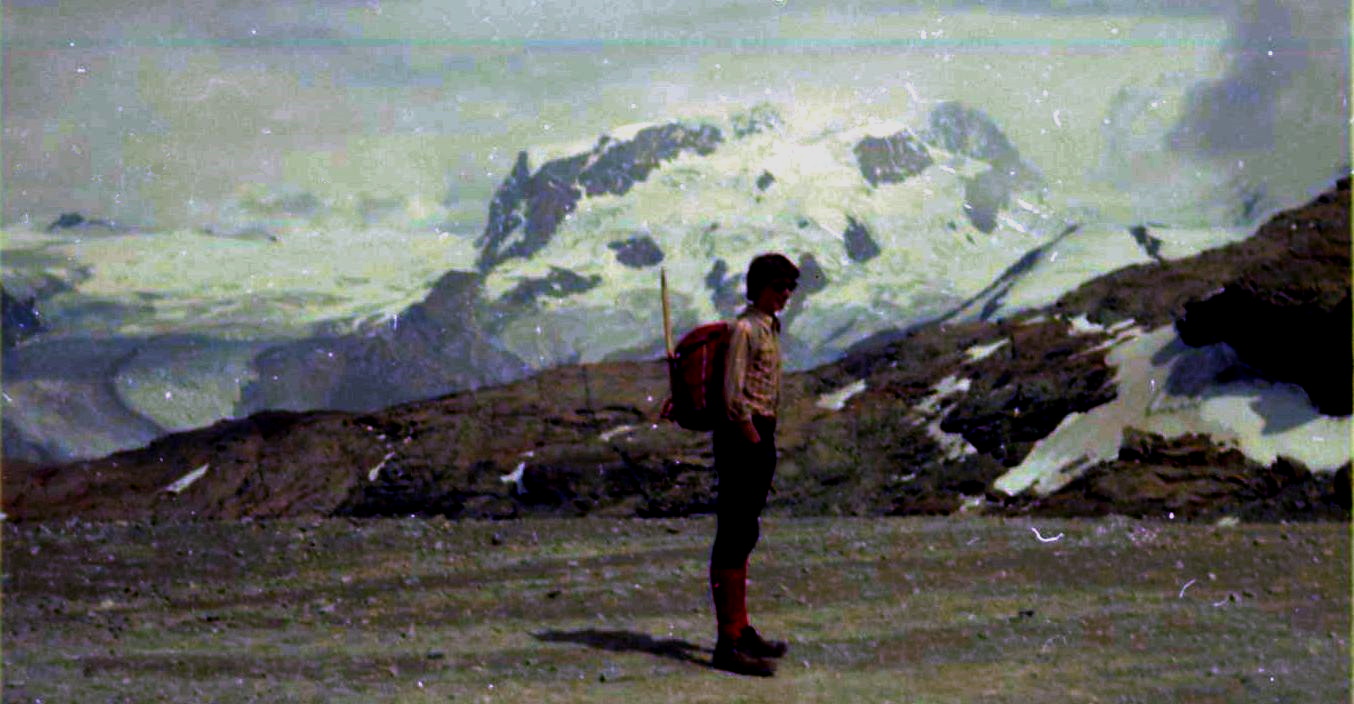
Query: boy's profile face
<point x="774" y="296"/>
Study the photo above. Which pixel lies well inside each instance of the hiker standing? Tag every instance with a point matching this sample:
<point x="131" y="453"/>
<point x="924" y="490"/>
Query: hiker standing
<point x="745" y="460"/>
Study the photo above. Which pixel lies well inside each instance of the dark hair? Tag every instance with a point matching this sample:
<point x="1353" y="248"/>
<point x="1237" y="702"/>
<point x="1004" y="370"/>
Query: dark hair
<point x="769" y="268"/>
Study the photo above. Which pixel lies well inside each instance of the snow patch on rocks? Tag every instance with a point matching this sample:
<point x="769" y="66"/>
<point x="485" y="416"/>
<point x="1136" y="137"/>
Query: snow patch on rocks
<point x="618" y="430"/>
<point x="179" y="485"/>
<point x="931" y="410"/>
<point x="1167" y="388"/>
<point x="977" y="353"/>
<point x="836" y="400"/>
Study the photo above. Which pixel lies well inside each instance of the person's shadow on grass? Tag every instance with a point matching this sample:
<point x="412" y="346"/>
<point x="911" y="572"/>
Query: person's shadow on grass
<point x="628" y="641"/>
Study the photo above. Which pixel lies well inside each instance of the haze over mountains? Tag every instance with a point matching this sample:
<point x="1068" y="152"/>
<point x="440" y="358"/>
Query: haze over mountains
<point x="963" y="165"/>
<point x="893" y="223"/>
<point x="1213" y="386"/>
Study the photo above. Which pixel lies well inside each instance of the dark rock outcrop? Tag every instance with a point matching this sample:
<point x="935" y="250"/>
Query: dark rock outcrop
<point x="891" y="159"/>
<point x="879" y="453"/>
<point x="812" y="279"/>
<point x="559" y="283"/>
<point x="1151" y="246"/>
<point x="506" y="209"/>
<point x="1281" y="298"/>
<point x="76" y="221"/>
<point x="1026" y="389"/>
<point x="969" y="131"/>
<point x="637" y="252"/>
<point x="434" y="347"/>
<point x="761" y="118"/>
<point x="620" y="165"/>
<point x="1192" y="478"/>
<point x="1251" y="199"/>
<point x="528" y="208"/>
<point x="727" y="292"/>
<point x="985" y="195"/>
<point x="20" y="318"/>
<point x="1288" y="314"/>
<point x="860" y="246"/>
<point x="1303" y="243"/>
<point x="1285" y="338"/>
<point x="66" y="221"/>
<point x="1286" y="309"/>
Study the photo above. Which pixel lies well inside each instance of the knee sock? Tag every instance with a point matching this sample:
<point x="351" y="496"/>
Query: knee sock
<point x="728" y="587"/>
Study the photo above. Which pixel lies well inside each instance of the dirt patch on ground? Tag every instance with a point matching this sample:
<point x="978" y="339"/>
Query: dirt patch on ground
<point x="1004" y="610"/>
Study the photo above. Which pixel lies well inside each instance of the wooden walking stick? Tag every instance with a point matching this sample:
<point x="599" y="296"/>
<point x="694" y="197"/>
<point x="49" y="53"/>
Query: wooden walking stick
<point x="667" y="316"/>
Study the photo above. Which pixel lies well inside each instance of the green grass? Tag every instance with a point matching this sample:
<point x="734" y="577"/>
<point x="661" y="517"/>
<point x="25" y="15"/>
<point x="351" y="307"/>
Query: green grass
<point x="617" y="610"/>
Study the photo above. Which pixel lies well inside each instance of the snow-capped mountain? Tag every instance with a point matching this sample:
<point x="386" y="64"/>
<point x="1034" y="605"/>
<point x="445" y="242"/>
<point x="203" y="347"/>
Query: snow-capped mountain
<point x="1210" y="387"/>
<point x="893" y="223"/>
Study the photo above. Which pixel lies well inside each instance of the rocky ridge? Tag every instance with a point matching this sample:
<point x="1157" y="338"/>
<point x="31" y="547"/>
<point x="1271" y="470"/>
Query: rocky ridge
<point x="406" y="357"/>
<point x="21" y="318"/>
<point x="922" y="421"/>
<point x="528" y="207"/>
<point x="893" y="223"/>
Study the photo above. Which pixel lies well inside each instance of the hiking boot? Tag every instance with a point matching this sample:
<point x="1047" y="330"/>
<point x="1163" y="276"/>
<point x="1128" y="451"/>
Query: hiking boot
<point x="752" y="643"/>
<point x="729" y="658"/>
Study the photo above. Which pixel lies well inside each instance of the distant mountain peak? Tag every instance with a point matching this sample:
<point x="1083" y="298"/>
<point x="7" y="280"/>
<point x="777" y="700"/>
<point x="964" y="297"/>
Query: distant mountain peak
<point x="527" y="209"/>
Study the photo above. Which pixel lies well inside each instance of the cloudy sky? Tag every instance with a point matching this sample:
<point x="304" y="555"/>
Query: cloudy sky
<point x="158" y="113"/>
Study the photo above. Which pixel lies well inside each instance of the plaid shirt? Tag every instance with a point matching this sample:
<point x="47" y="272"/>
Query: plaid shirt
<point x="752" y="367"/>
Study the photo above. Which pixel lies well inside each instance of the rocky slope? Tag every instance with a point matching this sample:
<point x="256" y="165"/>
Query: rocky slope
<point x="566" y="269"/>
<point x="893" y="224"/>
<point x="436" y="346"/>
<point x="944" y="417"/>
<point x="21" y="318"/>
<point x="939" y="216"/>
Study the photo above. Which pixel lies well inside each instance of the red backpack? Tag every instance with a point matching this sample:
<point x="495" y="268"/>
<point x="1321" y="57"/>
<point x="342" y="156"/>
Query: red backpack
<point x="696" y="375"/>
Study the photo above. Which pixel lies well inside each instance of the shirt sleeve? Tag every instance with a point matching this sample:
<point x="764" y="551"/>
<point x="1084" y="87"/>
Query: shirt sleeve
<point x="735" y="372"/>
